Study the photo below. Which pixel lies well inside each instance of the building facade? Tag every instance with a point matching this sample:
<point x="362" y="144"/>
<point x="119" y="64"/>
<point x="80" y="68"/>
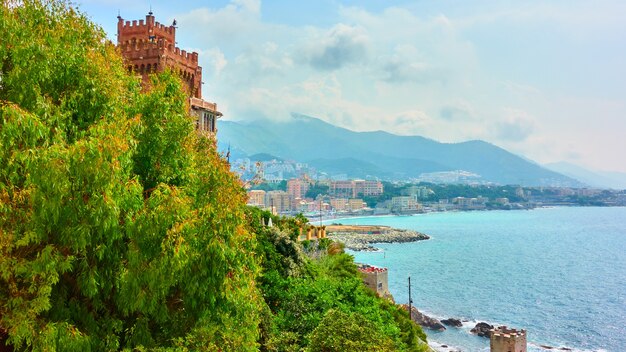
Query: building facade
<point x="297" y="188"/>
<point x="367" y="188"/>
<point x="405" y="204"/>
<point x="355" y="188"/>
<point x="256" y="198"/>
<point x="375" y="278"/>
<point x="148" y="47"/>
<point x="278" y="201"/>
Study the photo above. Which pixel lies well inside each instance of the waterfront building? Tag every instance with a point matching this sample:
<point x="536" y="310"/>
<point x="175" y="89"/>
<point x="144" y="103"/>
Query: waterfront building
<point x="503" y="339"/>
<point x="339" y="204"/>
<point x="149" y="47"/>
<point x="405" y="204"/>
<point x="502" y="201"/>
<point x="356" y="204"/>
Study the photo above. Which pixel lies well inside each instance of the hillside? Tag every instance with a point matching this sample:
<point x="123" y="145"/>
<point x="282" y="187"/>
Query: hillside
<point x="381" y="154"/>
<point x="599" y="179"/>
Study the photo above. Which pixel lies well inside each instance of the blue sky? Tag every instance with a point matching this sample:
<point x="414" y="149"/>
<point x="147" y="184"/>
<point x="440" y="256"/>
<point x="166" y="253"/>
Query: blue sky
<point x="544" y="79"/>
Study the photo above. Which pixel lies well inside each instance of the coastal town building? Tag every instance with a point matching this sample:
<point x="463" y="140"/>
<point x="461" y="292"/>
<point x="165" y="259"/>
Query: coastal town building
<point x="339" y="204"/>
<point x="502" y="201"/>
<point x="405" y="204"/>
<point x="297" y="188"/>
<point x="503" y="339"/>
<point x="355" y="204"/>
<point x="355" y="188"/>
<point x="478" y="203"/>
<point x="256" y="198"/>
<point x="347" y="204"/>
<point x="278" y="201"/>
<point x="148" y="47"/>
<point x="420" y="192"/>
<point x="342" y="189"/>
<point x="367" y="188"/>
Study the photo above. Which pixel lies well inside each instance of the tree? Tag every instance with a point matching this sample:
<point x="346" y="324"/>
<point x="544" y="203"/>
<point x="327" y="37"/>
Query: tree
<point x="339" y="331"/>
<point x="120" y="228"/>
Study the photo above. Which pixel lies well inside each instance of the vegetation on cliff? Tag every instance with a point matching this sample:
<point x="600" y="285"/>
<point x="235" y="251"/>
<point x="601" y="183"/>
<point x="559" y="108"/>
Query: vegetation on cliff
<point x="121" y="229"/>
<point x="316" y="297"/>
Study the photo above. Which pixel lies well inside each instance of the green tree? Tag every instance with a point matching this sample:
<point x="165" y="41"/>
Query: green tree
<point x="120" y="228"/>
<point x="340" y="331"/>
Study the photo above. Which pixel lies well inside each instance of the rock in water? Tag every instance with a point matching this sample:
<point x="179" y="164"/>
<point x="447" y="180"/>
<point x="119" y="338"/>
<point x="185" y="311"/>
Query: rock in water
<point x="452" y="322"/>
<point x="482" y="329"/>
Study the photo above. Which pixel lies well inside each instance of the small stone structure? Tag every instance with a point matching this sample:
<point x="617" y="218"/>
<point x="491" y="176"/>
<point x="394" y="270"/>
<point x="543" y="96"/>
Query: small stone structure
<point x="504" y="339"/>
<point x="375" y="278"/>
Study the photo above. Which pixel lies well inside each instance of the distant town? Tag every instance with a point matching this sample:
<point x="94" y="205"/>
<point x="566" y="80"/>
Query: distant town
<point x="289" y="188"/>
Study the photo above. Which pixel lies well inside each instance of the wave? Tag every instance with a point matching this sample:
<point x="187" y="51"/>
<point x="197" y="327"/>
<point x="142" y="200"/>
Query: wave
<point x="442" y="347"/>
<point x="469" y="323"/>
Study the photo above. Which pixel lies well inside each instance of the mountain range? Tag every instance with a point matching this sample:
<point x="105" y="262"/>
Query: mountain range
<point x="337" y="150"/>
<point x="601" y="179"/>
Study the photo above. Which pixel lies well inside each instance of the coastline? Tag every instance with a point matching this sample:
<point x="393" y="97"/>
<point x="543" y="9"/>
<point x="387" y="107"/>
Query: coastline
<point x="450" y="258"/>
<point x="332" y="220"/>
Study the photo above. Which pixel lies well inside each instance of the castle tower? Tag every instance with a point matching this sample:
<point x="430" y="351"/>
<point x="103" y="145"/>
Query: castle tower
<point x="504" y="339"/>
<point x="149" y="46"/>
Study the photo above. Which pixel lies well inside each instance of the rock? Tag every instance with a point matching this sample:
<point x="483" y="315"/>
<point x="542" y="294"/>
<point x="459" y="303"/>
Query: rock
<point x="452" y="322"/>
<point x="363" y="242"/>
<point x="424" y="320"/>
<point x="482" y="329"/>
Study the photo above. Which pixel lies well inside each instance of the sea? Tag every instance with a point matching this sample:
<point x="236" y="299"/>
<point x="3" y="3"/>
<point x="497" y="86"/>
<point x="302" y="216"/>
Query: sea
<point x="559" y="273"/>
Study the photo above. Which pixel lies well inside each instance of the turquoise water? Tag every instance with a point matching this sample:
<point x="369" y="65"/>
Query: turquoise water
<point x="560" y="273"/>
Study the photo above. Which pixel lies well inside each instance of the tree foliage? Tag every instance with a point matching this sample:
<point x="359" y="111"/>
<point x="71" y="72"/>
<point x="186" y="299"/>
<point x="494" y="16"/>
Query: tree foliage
<point x="119" y="227"/>
<point x="302" y="293"/>
<point x="340" y="331"/>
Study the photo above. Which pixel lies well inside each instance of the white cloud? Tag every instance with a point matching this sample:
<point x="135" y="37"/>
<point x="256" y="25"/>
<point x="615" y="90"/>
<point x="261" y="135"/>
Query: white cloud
<point x="340" y="46"/>
<point x="516" y="126"/>
<point x="217" y="59"/>
<point x="412" y="73"/>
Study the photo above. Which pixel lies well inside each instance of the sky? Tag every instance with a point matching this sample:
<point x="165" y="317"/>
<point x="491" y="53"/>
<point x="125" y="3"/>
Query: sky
<point x="543" y="79"/>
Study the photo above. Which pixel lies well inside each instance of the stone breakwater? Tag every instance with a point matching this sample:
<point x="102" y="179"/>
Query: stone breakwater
<point x="359" y="239"/>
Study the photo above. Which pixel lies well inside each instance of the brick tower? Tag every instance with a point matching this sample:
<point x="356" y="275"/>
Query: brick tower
<point x="504" y="339"/>
<point x="148" y="47"/>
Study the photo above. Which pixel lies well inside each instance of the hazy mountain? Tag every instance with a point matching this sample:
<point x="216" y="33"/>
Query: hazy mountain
<point x="358" y="154"/>
<point x="599" y="179"/>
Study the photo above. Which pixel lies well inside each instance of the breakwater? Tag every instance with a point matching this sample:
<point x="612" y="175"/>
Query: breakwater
<point x="362" y="238"/>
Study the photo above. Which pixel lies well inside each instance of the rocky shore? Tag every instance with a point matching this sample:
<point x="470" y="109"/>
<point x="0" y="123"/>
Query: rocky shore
<point x="423" y="319"/>
<point x="359" y="239"/>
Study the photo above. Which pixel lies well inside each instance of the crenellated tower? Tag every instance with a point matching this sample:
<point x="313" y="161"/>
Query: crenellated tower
<point x="149" y="47"/>
<point x="503" y="339"/>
